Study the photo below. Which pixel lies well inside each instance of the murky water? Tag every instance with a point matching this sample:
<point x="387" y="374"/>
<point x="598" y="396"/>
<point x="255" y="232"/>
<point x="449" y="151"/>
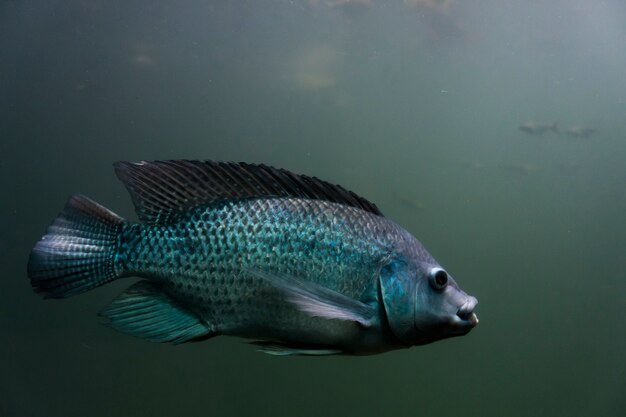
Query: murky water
<point x="416" y="105"/>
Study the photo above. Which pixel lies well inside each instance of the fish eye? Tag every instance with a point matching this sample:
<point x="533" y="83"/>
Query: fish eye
<point x="438" y="279"/>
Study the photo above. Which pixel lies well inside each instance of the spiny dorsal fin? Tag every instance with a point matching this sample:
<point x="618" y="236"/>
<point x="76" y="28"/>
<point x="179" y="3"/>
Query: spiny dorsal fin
<point x="161" y="190"/>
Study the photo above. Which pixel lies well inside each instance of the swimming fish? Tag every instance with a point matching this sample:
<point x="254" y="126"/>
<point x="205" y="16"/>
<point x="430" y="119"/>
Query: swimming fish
<point x="580" y="132"/>
<point x="298" y="265"/>
<point x="536" y="129"/>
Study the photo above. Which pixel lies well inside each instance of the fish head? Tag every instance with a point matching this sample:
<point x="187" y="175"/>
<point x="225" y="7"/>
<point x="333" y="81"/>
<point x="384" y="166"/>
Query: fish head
<point x="442" y="309"/>
<point x="423" y="303"/>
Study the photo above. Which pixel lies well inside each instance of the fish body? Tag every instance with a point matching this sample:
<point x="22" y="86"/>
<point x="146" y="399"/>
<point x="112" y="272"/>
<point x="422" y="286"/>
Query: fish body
<point x="532" y="128"/>
<point x="236" y="249"/>
<point x="209" y="256"/>
<point x="580" y="132"/>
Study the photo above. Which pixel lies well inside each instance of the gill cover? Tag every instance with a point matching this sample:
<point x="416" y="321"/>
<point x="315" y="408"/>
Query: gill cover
<point x="398" y="290"/>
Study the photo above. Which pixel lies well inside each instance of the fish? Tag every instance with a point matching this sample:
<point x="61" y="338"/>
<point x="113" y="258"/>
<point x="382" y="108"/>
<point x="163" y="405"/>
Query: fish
<point x="410" y="203"/>
<point x="292" y="263"/>
<point x="536" y="129"/>
<point x="580" y="132"/>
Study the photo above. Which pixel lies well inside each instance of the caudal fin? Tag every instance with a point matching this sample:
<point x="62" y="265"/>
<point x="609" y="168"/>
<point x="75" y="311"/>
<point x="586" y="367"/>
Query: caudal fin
<point x="78" y="251"/>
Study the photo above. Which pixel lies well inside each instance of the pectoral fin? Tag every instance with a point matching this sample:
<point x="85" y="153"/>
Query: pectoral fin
<point x="318" y="301"/>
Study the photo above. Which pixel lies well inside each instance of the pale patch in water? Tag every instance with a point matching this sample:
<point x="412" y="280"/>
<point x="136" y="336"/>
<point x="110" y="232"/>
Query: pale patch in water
<point x="144" y="60"/>
<point x="143" y="54"/>
<point x="440" y="6"/>
<point x="314" y="68"/>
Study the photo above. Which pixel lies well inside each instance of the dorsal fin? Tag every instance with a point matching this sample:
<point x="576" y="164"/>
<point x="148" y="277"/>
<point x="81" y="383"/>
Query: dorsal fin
<point x="161" y="190"/>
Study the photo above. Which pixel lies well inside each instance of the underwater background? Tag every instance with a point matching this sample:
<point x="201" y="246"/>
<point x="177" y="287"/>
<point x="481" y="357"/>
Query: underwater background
<point x="416" y="105"/>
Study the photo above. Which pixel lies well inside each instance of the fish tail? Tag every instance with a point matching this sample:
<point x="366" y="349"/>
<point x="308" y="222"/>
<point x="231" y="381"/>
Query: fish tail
<point x="79" y="251"/>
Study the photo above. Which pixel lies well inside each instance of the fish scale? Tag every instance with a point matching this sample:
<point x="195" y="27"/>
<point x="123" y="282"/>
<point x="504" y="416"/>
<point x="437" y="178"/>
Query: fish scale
<point x="203" y="256"/>
<point x="301" y="265"/>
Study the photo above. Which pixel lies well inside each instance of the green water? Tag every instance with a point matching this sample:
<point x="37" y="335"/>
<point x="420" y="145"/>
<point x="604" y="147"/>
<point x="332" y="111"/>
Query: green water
<point x="415" y="105"/>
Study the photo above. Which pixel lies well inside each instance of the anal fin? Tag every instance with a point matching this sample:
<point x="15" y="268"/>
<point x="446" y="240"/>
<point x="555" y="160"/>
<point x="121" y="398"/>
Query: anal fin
<point x="144" y="310"/>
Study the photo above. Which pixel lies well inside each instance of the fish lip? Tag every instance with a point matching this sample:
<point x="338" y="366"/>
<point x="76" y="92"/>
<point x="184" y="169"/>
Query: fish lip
<point x="473" y="320"/>
<point x="465" y="316"/>
<point x="466" y="323"/>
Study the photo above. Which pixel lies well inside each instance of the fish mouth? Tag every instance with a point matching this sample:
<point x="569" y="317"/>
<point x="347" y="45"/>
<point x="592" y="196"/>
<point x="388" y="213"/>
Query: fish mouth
<point x="470" y="322"/>
<point x="465" y="316"/>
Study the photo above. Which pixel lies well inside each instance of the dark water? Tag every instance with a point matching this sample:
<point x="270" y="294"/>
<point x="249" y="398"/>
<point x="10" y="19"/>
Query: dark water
<point x="415" y="105"/>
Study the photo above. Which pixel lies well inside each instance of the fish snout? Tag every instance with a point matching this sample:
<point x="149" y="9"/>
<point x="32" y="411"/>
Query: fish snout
<point x="466" y="311"/>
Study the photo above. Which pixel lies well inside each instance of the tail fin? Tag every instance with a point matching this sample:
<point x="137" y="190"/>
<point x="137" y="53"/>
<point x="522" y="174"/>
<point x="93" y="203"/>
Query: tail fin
<point x="78" y="252"/>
